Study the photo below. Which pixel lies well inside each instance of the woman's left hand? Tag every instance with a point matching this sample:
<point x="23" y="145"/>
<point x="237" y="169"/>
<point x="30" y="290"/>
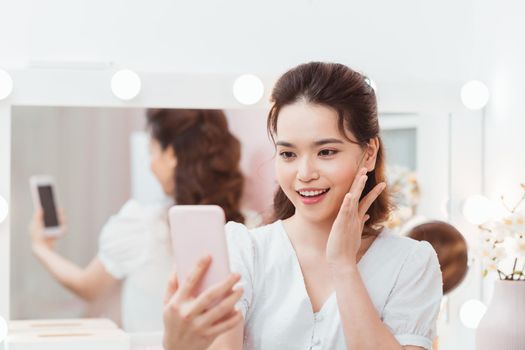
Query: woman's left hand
<point x="345" y="237"/>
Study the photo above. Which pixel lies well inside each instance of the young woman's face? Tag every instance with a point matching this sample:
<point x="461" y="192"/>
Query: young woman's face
<point x="315" y="164"/>
<point x="162" y="165"/>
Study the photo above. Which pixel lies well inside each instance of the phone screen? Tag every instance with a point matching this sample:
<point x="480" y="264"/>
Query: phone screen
<point x="47" y="201"/>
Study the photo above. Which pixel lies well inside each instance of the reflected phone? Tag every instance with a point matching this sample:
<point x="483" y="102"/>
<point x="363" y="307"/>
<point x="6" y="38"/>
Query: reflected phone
<point x="196" y="231"/>
<point x="43" y="194"/>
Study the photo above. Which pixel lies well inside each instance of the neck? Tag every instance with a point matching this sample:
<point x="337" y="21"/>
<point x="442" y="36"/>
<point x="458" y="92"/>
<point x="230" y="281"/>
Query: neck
<point x="313" y="235"/>
<point x="305" y="232"/>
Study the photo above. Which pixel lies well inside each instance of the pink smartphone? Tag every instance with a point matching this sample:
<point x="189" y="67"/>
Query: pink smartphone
<point x="196" y="231"/>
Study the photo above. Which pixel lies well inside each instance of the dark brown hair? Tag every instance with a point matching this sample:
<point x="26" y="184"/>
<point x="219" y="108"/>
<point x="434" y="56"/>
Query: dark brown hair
<point x="351" y="96"/>
<point x="451" y="249"/>
<point x="207" y="154"/>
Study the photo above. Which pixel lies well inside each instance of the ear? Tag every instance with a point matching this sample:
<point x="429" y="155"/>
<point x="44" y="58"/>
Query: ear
<point x="171" y="158"/>
<point x="371" y="154"/>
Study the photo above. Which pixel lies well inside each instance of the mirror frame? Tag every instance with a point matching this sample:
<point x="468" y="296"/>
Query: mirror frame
<point x="90" y="87"/>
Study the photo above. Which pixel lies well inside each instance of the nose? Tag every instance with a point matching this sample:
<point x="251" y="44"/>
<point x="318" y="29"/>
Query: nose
<point x="307" y="170"/>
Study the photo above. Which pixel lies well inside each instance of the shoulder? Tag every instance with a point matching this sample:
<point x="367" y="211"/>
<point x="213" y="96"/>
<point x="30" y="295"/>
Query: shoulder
<point x="136" y="211"/>
<point x="130" y="209"/>
<point x="129" y="215"/>
<point x="259" y="236"/>
<point x="405" y="251"/>
<point x="133" y="222"/>
<point x="256" y="243"/>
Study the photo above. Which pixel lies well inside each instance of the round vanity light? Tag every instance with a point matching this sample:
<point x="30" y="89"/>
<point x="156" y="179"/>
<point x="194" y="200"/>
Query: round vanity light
<point x="248" y="89"/>
<point x="475" y="94"/>
<point x="4" y="209"/>
<point x="478" y="209"/>
<point x="471" y="313"/>
<point x="6" y="84"/>
<point x="3" y="329"/>
<point x="126" y="84"/>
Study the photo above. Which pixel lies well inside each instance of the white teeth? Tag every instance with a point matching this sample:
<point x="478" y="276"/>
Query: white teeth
<point x="311" y="193"/>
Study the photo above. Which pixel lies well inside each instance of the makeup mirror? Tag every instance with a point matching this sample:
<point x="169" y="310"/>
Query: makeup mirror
<point x="93" y="144"/>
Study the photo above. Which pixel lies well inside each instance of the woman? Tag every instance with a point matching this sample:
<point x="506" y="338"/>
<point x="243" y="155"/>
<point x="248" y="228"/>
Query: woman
<point x="325" y="274"/>
<point x="196" y="160"/>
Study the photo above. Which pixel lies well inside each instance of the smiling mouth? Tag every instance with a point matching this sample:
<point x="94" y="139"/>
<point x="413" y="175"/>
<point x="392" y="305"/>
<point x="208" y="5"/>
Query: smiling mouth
<point x="312" y="193"/>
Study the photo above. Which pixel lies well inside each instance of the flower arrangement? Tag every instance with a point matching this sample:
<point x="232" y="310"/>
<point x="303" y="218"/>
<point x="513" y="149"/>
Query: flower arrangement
<point x="405" y="192"/>
<point x="505" y="238"/>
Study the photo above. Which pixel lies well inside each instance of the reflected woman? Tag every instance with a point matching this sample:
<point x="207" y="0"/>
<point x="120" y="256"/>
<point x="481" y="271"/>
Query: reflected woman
<point x="196" y="159"/>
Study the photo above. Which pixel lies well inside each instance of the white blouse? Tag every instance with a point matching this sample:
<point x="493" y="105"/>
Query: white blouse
<point x="402" y="276"/>
<point x="135" y="246"/>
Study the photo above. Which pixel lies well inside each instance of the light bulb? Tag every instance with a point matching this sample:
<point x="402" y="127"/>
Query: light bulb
<point x="3" y="329"/>
<point x="4" y="209"/>
<point x="248" y="89"/>
<point x="125" y="84"/>
<point x="478" y="209"/>
<point x="471" y="313"/>
<point x="6" y="84"/>
<point x="475" y="94"/>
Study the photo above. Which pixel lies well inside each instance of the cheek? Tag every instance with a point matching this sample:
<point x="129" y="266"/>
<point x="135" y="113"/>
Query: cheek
<point x="284" y="173"/>
<point x="154" y="165"/>
<point x="341" y="173"/>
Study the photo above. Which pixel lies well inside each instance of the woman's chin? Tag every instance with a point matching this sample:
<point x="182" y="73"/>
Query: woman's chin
<point x="319" y="216"/>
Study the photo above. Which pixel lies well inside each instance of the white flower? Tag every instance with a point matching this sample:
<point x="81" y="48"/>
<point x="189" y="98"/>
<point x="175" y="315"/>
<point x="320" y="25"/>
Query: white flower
<point x="490" y="264"/>
<point x="485" y="249"/>
<point x="485" y="235"/>
<point x="485" y="252"/>
<point x="405" y="192"/>
<point x="405" y="213"/>
<point x="516" y="246"/>
<point x="511" y="223"/>
<point x="499" y="252"/>
<point x="503" y="237"/>
<point x="500" y="235"/>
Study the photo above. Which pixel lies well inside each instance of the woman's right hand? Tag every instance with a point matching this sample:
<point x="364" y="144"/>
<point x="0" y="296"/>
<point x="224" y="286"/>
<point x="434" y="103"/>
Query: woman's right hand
<point x="193" y="323"/>
<point x="39" y="240"/>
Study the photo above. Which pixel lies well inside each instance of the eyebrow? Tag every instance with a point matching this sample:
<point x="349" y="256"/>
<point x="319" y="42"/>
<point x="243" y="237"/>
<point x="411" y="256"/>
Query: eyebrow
<point x="316" y="143"/>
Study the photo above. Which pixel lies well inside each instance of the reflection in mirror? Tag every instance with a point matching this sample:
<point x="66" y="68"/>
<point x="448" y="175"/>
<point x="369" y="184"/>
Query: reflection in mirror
<point x="100" y="158"/>
<point x="86" y="151"/>
<point x="451" y="249"/>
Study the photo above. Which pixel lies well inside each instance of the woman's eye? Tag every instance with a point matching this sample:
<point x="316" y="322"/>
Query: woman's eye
<point x="286" y="155"/>
<point x="327" y="152"/>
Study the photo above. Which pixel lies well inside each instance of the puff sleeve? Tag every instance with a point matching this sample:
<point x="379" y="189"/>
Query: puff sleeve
<point x="412" y="308"/>
<point x="123" y="241"/>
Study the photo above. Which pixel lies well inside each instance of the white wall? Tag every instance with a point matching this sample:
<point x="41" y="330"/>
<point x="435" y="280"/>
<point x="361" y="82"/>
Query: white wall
<point x="391" y="41"/>
<point x="505" y="74"/>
